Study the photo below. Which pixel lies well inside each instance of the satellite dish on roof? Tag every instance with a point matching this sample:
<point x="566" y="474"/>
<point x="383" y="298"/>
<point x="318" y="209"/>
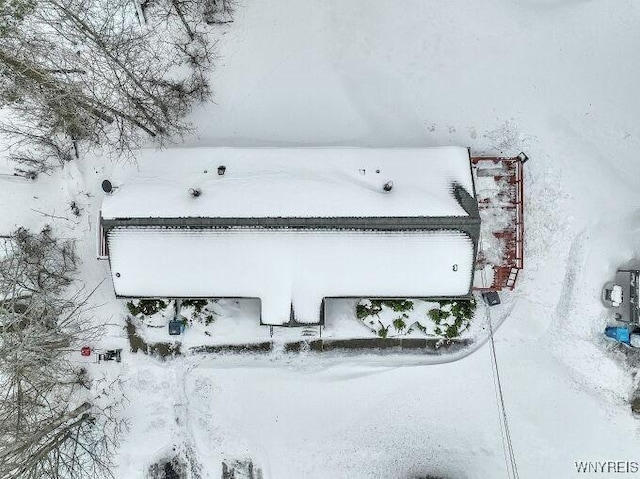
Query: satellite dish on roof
<point x="107" y="187"/>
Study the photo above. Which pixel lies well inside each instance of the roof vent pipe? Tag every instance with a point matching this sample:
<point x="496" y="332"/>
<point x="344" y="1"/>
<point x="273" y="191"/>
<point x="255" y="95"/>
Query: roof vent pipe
<point x="388" y="186"/>
<point x="195" y="192"/>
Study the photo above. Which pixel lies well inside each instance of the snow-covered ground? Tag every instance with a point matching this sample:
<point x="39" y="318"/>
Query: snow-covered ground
<point x="556" y="78"/>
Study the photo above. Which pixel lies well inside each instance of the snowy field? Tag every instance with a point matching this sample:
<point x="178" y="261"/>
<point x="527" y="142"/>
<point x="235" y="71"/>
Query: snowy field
<point x="555" y="78"/>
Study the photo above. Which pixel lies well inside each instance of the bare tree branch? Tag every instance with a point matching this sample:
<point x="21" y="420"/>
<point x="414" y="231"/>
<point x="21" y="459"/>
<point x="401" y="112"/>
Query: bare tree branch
<point x="52" y="422"/>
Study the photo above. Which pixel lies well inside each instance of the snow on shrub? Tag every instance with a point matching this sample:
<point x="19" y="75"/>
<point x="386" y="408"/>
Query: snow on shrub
<point x="394" y="318"/>
<point x="157" y="312"/>
<point x="201" y="310"/>
<point x="451" y="318"/>
<point x="146" y="307"/>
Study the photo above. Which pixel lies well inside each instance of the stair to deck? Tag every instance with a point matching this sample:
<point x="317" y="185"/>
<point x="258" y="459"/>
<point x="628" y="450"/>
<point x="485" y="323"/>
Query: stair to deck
<point x="311" y="332"/>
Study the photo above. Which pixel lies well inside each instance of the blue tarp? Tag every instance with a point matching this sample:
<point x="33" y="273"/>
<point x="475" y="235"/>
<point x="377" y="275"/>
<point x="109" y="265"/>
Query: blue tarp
<point x="618" y="333"/>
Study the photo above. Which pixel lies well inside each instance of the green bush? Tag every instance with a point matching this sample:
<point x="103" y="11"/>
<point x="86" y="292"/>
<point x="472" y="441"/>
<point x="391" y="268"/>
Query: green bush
<point x="463" y="309"/>
<point x="383" y="331"/>
<point x="376" y="307"/>
<point x="452" y="332"/>
<point x="399" y="324"/>
<point x="437" y="315"/>
<point x="146" y="307"/>
<point x="461" y="312"/>
<point x="201" y="310"/>
<point x="362" y="311"/>
<point x="365" y="310"/>
<point x="451" y="318"/>
<point x="197" y="304"/>
<point x="398" y="305"/>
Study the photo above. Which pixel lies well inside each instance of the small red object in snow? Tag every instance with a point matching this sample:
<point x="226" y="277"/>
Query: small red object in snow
<point x="86" y="351"/>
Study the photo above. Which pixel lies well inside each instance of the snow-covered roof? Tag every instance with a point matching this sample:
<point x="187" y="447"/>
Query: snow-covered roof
<point x="289" y="267"/>
<point x="294" y="182"/>
<point x="319" y="225"/>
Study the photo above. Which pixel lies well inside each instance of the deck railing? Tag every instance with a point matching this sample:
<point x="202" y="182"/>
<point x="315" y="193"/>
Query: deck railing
<point x="511" y="169"/>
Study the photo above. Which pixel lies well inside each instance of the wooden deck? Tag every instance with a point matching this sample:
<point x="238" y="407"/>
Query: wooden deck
<point x="509" y="200"/>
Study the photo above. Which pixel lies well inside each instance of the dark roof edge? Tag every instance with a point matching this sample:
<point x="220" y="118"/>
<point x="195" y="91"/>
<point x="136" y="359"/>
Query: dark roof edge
<point x="466" y="201"/>
<point x="391" y="223"/>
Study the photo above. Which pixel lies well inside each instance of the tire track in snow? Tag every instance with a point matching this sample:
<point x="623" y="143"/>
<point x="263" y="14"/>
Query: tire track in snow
<point x="575" y="265"/>
<point x="578" y="346"/>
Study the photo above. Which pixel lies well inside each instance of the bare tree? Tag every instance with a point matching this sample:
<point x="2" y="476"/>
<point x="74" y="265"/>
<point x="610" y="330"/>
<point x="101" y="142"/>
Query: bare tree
<point x="37" y="148"/>
<point x="87" y="69"/>
<point x="52" y="422"/>
<point x="35" y="264"/>
<point x="218" y="11"/>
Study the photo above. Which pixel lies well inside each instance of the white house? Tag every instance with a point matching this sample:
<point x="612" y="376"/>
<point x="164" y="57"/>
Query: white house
<point x="294" y="226"/>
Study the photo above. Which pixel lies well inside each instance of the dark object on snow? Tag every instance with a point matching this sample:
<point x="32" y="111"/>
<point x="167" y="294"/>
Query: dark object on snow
<point x="240" y="469"/>
<point x="195" y="192"/>
<point x="173" y="469"/>
<point x="218" y="12"/>
<point x="75" y="209"/>
<point x="221" y="169"/>
<point x="492" y="298"/>
<point x="170" y="472"/>
<point x="522" y="156"/>
<point x="110" y="355"/>
<point x="28" y="174"/>
<point x="388" y="186"/>
<point x="107" y="187"/>
<point x="175" y="327"/>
